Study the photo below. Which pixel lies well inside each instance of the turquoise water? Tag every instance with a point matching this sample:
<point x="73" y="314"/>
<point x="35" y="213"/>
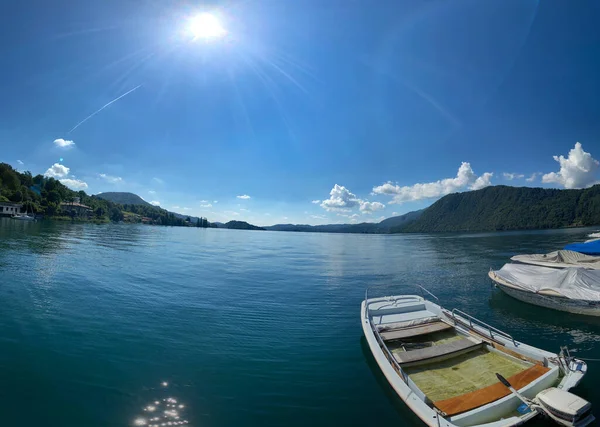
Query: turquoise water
<point x="247" y="328"/>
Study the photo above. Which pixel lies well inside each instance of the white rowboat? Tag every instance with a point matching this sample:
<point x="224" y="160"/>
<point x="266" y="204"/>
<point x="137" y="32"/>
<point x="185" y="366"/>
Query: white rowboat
<point x="443" y="365"/>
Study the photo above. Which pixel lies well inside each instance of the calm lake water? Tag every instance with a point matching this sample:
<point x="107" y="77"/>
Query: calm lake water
<point x="247" y="328"/>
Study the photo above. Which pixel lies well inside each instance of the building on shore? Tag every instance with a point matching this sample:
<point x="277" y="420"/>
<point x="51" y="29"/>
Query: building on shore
<point x="75" y="208"/>
<point x="10" y="209"/>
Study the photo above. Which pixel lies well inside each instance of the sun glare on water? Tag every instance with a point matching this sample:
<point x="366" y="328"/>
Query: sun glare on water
<point x="206" y="26"/>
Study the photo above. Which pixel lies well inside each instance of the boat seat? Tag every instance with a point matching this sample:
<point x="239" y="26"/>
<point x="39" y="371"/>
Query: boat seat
<point x="413" y="316"/>
<point x="415" y="331"/>
<point x="394" y="307"/>
<point x="475" y="399"/>
<point x="443" y="351"/>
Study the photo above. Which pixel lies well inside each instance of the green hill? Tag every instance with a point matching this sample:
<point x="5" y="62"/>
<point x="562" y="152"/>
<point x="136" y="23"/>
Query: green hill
<point x="509" y="208"/>
<point x="123" y="198"/>
<point x="384" y="226"/>
<point x="241" y="225"/>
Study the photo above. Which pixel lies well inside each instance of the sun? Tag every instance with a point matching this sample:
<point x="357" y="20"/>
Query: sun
<point x="206" y="26"/>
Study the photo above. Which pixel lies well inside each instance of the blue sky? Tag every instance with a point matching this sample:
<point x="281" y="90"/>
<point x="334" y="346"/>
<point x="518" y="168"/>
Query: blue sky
<point x="311" y="111"/>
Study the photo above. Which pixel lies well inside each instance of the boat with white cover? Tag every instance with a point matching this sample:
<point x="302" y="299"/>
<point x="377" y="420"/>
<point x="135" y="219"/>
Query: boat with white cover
<point x="560" y="259"/>
<point x="574" y="290"/>
<point x="452" y="369"/>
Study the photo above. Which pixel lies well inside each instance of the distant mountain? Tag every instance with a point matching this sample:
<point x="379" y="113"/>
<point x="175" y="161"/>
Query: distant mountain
<point x="123" y="198"/>
<point x="384" y="226"/>
<point x="241" y="225"/>
<point x="400" y="221"/>
<point x="509" y="208"/>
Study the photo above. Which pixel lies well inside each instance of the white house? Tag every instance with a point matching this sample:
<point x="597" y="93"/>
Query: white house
<point x="9" y="209"/>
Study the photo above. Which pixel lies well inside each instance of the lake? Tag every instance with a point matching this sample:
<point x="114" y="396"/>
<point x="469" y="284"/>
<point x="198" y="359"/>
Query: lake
<point x="245" y="327"/>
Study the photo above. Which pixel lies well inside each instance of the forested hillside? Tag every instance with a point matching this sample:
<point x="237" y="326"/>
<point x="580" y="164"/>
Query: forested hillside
<point x="47" y="196"/>
<point x="509" y="208"/>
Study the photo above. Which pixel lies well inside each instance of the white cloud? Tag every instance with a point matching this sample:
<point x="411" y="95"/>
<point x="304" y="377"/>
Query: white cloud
<point x="353" y="218"/>
<point x="232" y="213"/>
<point x="158" y="180"/>
<point x="343" y="200"/>
<point x="20" y="162"/>
<point x="111" y="179"/>
<point x="206" y="205"/>
<point x="155" y="203"/>
<point x="74" y="184"/>
<point x="533" y="176"/>
<point x="63" y="143"/>
<point x="151" y="192"/>
<point x="244" y="196"/>
<point x="316" y="202"/>
<point x="318" y="216"/>
<point x="244" y="210"/>
<point x="340" y="199"/>
<point x="370" y="207"/>
<point x="186" y="209"/>
<point x="57" y="171"/>
<point x="215" y="201"/>
<point x="576" y="171"/>
<point x="394" y="213"/>
<point x="483" y="181"/>
<point x="510" y="176"/>
<point x="465" y="178"/>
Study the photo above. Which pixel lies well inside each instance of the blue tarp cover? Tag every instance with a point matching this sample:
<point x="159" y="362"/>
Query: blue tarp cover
<point x="590" y="248"/>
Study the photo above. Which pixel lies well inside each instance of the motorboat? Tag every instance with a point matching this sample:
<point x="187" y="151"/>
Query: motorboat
<point x="560" y="259"/>
<point x="23" y="217"/>
<point x="452" y="369"/>
<point x="574" y="290"/>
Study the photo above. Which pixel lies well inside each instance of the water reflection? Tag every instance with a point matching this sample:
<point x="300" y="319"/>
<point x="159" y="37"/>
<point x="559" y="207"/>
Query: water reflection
<point x="161" y="412"/>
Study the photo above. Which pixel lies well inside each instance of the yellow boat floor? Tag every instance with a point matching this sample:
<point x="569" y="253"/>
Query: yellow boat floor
<point x="463" y="374"/>
<point x="436" y="338"/>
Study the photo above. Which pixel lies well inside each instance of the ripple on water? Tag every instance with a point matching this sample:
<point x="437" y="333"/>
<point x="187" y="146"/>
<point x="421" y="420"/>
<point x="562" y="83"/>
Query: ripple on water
<point x="250" y="328"/>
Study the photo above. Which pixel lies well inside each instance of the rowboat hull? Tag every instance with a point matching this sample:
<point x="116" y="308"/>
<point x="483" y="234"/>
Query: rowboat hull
<point x="500" y="409"/>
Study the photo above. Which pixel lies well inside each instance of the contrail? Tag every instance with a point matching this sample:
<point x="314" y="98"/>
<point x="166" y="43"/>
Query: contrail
<point x="103" y="107"/>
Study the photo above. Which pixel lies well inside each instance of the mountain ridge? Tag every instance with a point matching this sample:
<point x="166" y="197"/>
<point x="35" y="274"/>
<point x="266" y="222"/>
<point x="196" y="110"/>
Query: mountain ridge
<point x="501" y="207"/>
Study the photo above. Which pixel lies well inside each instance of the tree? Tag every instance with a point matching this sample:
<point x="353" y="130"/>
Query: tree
<point x="99" y="212"/>
<point x="116" y="215"/>
<point x="26" y="179"/>
<point x="54" y="196"/>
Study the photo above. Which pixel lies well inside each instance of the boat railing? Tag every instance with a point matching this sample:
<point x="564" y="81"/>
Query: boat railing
<point x="388" y="353"/>
<point x="473" y="320"/>
<point x="429" y="293"/>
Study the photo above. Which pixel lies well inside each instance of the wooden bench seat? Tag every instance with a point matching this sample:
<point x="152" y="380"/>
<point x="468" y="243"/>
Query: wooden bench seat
<point x="415" y="331"/>
<point x="443" y="351"/>
<point x="475" y="399"/>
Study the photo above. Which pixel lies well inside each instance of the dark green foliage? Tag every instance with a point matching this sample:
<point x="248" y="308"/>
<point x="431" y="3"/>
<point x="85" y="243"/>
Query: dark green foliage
<point x="44" y="196"/>
<point x="241" y="225"/>
<point x="116" y="215"/>
<point x="509" y="208"/>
